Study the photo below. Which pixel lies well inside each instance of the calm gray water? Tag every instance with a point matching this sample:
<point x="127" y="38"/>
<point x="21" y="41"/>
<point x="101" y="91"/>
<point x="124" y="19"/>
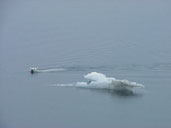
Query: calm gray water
<point x="122" y="39"/>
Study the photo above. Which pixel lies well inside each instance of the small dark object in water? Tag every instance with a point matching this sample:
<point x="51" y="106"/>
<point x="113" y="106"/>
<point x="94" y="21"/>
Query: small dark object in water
<point x="89" y="82"/>
<point x="33" y="70"/>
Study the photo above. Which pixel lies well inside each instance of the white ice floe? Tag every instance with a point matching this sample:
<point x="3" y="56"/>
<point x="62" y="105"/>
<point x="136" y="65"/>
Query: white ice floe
<point x="100" y="81"/>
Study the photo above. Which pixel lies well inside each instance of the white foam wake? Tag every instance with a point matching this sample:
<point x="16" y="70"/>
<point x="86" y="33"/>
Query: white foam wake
<point x="52" y="70"/>
<point x="36" y="70"/>
<point x="98" y="80"/>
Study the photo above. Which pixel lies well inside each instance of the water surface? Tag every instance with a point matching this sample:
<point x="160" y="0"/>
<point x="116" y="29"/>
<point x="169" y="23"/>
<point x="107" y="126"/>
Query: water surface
<point x="122" y="39"/>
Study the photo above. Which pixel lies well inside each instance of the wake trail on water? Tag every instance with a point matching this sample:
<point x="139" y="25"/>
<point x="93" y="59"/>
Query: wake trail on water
<point x="37" y="70"/>
<point x="100" y="81"/>
<point x="51" y="70"/>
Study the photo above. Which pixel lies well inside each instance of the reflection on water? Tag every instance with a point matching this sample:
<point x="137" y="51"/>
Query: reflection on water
<point x="124" y="93"/>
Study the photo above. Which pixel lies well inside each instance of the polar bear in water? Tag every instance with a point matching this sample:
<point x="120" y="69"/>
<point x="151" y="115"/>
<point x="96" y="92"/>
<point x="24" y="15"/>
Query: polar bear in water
<point x="33" y="70"/>
<point x="36" y="70"/>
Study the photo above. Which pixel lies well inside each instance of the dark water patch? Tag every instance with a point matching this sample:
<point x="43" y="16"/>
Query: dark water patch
<point x="124" y="93"/>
